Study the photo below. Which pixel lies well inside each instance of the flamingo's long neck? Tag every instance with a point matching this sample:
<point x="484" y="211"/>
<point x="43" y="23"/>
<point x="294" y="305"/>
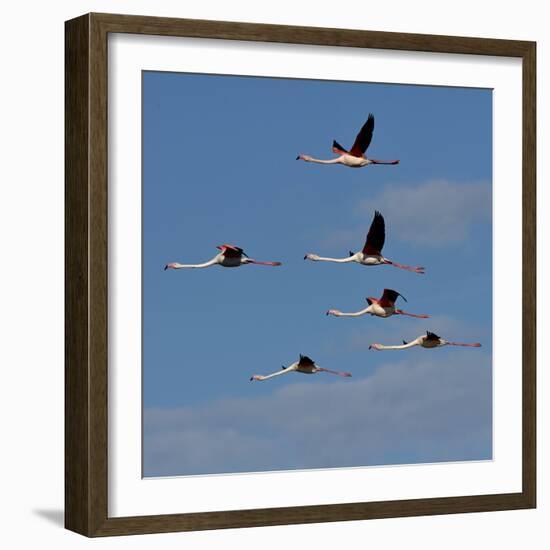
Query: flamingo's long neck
<point x="291" y="368"/>
<point x="336" y="160"/>
<point x="354" y="314"/>
<point x="176" y="265"/>
<point x="339" y="260"/>
<point x="403" y="346"/>
<point x="316" y="258"/>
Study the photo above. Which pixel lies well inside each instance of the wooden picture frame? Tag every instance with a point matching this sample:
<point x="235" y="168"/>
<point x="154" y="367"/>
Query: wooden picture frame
<point x="86" y="364"/>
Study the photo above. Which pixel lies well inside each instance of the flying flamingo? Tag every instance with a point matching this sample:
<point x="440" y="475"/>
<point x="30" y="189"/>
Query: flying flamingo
<point x="372" y="251"/>
<point x="230" y="256"/>
<point x="355" y="157"/>
<point x="304" y="365"/>
<point x="429" y="340"/>
<point x="380" y="307"/>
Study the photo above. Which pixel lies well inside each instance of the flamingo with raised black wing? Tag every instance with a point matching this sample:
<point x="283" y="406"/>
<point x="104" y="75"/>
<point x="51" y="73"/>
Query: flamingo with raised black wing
<point x="355" y="157"/>
<point x="372" y="250"/>
<point x="379" y="307"/>
<point x="305" y="365"/>
<point x="229" y="256"/>
<point x="428" y="341"/>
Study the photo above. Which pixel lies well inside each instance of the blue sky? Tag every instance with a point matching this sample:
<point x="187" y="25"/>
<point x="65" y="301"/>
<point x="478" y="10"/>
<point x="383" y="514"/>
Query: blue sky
<point x="219" y="167"/>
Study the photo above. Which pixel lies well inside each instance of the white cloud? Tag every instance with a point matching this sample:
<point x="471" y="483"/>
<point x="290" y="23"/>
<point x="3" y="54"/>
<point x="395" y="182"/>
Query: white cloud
<point x="419" y="409"/>
<point x="433" y="213"/>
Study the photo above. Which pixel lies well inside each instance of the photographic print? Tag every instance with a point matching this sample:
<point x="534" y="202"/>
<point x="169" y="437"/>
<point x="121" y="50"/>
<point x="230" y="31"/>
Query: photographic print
<point x="317" y="274"/>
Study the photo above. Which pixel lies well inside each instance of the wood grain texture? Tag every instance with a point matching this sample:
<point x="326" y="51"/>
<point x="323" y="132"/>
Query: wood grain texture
<point x="86" y="258"/>
<point x="77" y="459"/>
<point x="165" y="26"/>
<point x="529" y="258"/>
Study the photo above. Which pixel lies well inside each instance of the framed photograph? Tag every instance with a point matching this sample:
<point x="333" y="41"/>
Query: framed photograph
<point x="294" y="264"/>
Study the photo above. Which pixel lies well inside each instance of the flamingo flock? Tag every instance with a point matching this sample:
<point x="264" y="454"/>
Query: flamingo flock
<point x="370" y="255"/>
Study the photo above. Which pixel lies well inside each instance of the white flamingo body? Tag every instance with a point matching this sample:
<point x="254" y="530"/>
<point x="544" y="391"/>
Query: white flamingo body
<point x="370" y="259"/>
<point x="374" y="310"/>
<point x="355" y="157"/>
<point x="379" y="311"/>
<point x="305" y="366"/>
<point x="372" y="249"/>
<point x="379" y="307"/>
<point x="354" y="162"/>
<point x="230" y="256"/>
<point x="427" y="341"/>
<point x="358" y="257"/>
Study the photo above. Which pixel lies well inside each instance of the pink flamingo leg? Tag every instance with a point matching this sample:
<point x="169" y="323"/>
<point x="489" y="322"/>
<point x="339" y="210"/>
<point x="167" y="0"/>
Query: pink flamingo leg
<point x="264" y="263"/>
<point x="413" y="268"/>
<point x="347" y="374"/>
<point x="401" y="312"/>
<point x="477" y="345"/>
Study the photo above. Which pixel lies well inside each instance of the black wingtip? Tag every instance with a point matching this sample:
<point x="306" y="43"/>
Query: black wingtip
<point x="165" y="267"/>
<point x="298" y="157"/>
<point x="305" y="257"/>
<point x="405" y="342"/>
